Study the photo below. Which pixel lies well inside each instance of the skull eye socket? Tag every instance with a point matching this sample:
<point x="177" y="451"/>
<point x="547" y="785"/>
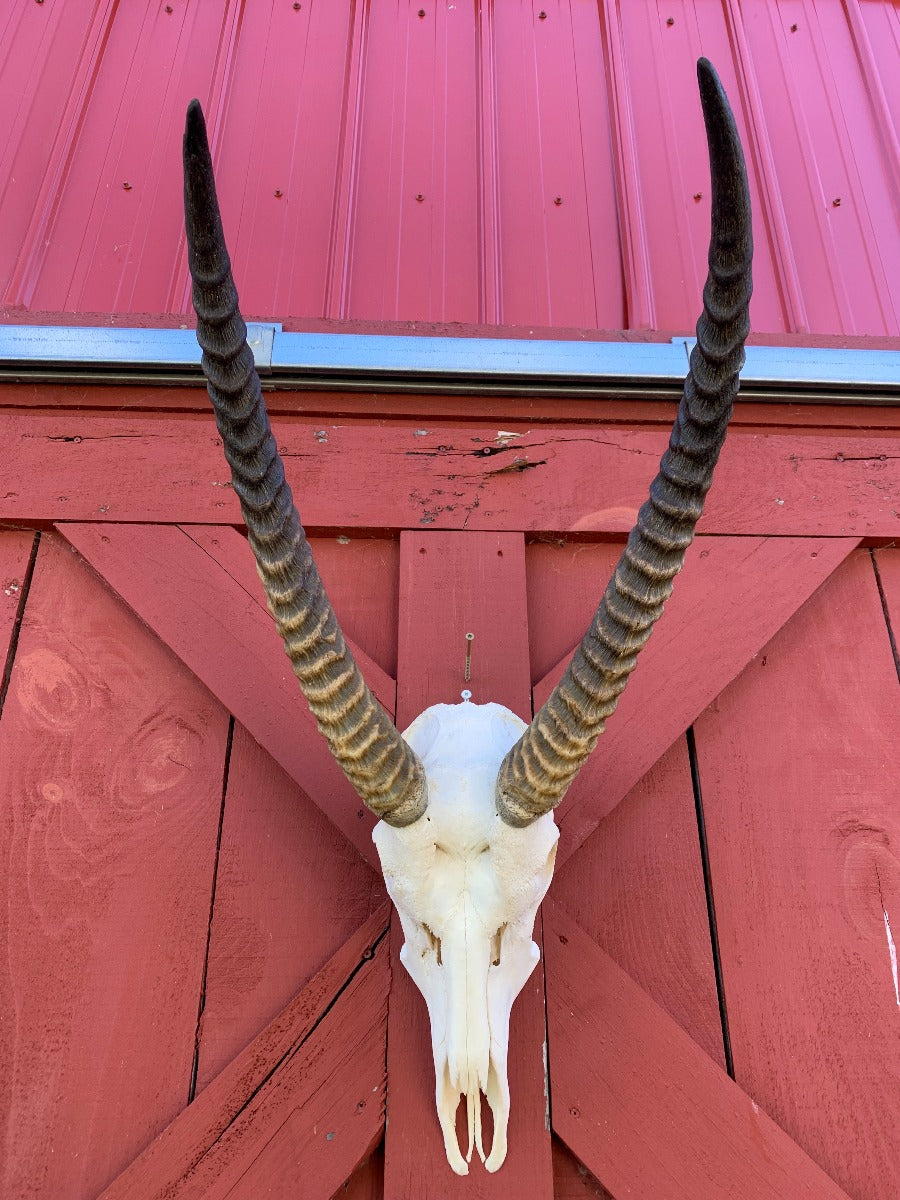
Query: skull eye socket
<point x="434" y="944"/>
<point x="496" y="941"/>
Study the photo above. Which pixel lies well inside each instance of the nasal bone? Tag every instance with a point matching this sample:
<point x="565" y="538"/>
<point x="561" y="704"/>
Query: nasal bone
<point x="466" y="960"/>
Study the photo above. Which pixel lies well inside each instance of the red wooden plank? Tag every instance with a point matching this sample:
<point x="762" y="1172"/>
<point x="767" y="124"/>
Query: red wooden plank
<point x="15" y="554"/>
<point x="367" y="1181"/>
<point x="318" y="1069"/>
<point x="360" y="575"/>
<point x="571" y="1179"/>
<point x="462" y="583"/>
<point x="111" y="794"/>
<point x="732" y="596"/>
<point x="799" y="761"/>
<point x="64" y="467"/>
<point x="452" y="584"/>
<point x="289" y="890"/>
<point x="636" y="888"/>
<point x="887" y="563"/>
<point x="641" y="1104"/>
<point x="226" y="637"/>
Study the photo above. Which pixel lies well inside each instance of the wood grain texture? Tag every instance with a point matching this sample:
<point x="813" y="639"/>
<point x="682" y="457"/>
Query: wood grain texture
<point x="262" y="1126"/>
<point x="289" y="890"/>
<point x="87" y="467"/>
<point x="451" y="584"/>
<point x="571" y="1178"/>
<point x="636" y="888"/>
<point x="640" y="1103"/>
<point x="15" y="553"/>
<point x="224" y="634"/>
<point x="360" y="575"/>
<point x="799" y="761"/>
<point x="367" y="1181"/>
<point x="887" y="563"/>
<point x="462" y="583"/>
<point x="732" y="596"/>
<point x="111" y="791"/>
<point x="441" y="408"/>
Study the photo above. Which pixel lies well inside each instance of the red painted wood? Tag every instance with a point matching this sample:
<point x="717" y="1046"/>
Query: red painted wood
<point x="367" y="1181"/>
<point x="571" y="1179"/>
<point x="15" y="554"/>
<point x="799" y="761"/>
<point x="226" y="636"/>
<point x="318" y="1068"/>
<point x="732" y="596"/>
<point x="641" y="1104"/>
<point x="289" y="890"/>
<point x="360" y="575"/>
<point x="167" y="469"/>
<point x="461" y="583"/>
<point x="636" y="888"/>
<point x="888" y="565"/>
<point x="452" y="584"/>
<point x="111" y="791"/>
<point x="500" y="410"/>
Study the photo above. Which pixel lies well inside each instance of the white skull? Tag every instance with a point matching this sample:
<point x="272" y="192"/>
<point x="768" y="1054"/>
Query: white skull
<point x="467" y="888"/>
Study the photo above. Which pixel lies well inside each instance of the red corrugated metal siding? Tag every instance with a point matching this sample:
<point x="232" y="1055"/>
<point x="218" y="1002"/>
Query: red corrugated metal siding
<point x="482" y="163"/>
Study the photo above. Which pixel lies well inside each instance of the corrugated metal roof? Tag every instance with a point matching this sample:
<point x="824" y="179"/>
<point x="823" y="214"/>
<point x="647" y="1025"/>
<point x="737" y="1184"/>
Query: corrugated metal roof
<point x="485" y="163"/>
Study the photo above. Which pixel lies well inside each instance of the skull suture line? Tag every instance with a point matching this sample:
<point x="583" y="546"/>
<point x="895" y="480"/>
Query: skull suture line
<point x="466" y="838"/>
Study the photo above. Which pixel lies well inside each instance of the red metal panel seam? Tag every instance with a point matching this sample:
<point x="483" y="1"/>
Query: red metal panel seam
<point x="759" y="146"/>
<point x="489" y="307"/>
<point x="640" y="309"/>
<point x="337" y="298"/>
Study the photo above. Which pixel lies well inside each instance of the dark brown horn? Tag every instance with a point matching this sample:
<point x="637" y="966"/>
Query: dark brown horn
<point x="385" y="771"/>
<point x="536" y="773"/>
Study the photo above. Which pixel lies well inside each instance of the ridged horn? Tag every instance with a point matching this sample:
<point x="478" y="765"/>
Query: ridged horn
<point x="537" y="771"/>
<point x="383" y="769"/>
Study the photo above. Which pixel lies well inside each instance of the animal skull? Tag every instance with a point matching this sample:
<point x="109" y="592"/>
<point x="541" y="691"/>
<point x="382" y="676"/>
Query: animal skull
<point x="467" y="887"/>
<point x="466" y="838"/>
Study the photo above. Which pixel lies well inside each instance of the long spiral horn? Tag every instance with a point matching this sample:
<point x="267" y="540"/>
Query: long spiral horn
<point x="537" y="771"/>
<point x="383" y="769"/>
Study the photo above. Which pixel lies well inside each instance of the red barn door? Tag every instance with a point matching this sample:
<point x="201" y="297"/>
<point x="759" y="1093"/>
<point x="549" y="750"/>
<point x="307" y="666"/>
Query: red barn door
<point x="200" y="952"/>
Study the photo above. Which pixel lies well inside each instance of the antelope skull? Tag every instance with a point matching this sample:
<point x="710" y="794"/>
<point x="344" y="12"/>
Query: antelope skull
<point x="465" y="797"/>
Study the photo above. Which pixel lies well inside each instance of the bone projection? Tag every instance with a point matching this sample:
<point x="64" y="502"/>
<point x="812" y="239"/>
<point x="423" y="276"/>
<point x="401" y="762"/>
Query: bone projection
<point x="466" y="838"/>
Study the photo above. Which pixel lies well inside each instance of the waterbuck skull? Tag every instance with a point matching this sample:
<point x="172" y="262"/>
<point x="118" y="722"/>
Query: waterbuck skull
<point x="466" y="838"/>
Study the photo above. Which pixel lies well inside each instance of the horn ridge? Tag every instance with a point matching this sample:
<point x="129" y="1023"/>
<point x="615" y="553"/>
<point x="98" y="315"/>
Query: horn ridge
<point x="538" y="770"/>
<point x="384" y="770"/>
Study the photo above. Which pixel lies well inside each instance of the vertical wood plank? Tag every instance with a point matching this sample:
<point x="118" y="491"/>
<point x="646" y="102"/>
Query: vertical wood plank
<point x="452" y="583"/>
<point x="641" y="1105"/>
<point x="15" y="554"/>
<point x="289" y="890"/>
<point x="799" y="761"/>
<point x="887" y="566"/>
<point x="636" y="886"/>
<point x="110" y="794"/>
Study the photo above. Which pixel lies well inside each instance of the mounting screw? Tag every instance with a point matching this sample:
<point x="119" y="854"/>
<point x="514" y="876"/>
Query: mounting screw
<point x="296" y="5"/>
<point x="698" y="196"/>
<point x="421" y="13"/>
<point x="542" y="16"/>
<point x="836" y="202"/>
<point x="670" y="20"/>
<point x="126" y="186"/>
<point x="169" y="9"/>
<point x="419" y="197"/>
<point x="278" y="193"/>
<point x="794" y="28"/>
<point x="557" y="200"/>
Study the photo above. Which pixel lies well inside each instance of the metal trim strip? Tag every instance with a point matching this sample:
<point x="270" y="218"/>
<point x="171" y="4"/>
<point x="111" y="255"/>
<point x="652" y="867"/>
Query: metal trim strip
<point x="339" y="361"/>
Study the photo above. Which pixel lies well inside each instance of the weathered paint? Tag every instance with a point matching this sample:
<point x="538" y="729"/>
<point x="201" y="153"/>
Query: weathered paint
<point x="479" y="164"/>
